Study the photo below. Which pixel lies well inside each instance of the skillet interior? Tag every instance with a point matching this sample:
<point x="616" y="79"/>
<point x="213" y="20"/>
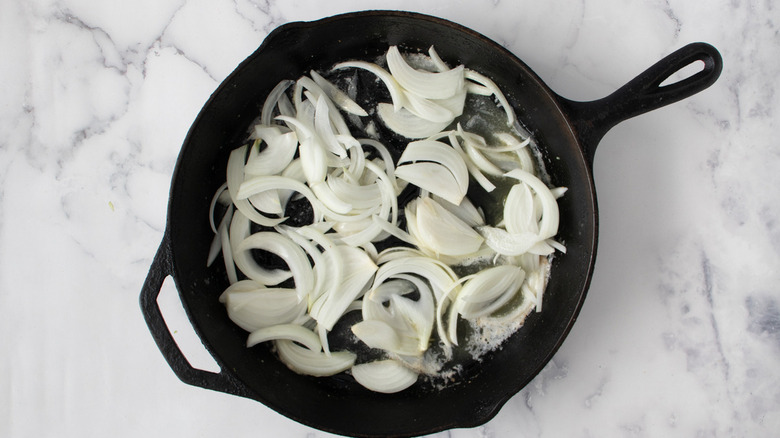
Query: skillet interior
<point x="338" y="404"/>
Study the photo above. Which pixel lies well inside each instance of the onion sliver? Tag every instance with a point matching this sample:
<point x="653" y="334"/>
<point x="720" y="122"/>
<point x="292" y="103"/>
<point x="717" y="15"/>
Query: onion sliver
<point x="379" y="334"/>
<point x="418" y="166"/>
<point x="291" y="332"/>
<point x="404" y="122"/>
<point x="429" y="110"/>
<point x="235" y="178"/>
<point x="488" y="290"/>
<point x="340" y="98"/>
<point x="520" y="201"/>
<point x="289" y="251"/>
<point x="386" y="376"/>
<point x="548" y="225"/>
<point x="240" y="230"/>
<point x="437" y="273"/>
<point x="272" y="100"/>
<point x="259" y="184"/>
<point x="490" y="85"/>
<point x="506" y="243"/>
<point x="253" y="309"/>
<point x="414" y="318"/>
<point x="277" y="155"/>
<point x="313" y="363"/>
<point x="396" y="92"/>
<point x="425" y="84"/>
<point x="441" y="231"/>
<point x="358" y="269"/>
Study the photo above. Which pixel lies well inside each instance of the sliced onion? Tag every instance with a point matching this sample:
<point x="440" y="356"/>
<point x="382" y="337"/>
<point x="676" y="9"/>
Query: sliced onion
<point x="396" y="92"/>
<point x="473" y="168"/>
<point x="490" y="85"/>
<point x="252" y="307"/>
<point x="379" y="334"/>
<point x="438" y="274"/>
<point x="520" y="201"/>
<point x="386" y="376"/>
<point x="437" y="61"/>
<point x="291" y="332"/>
<point x="358" y="271"/>
<point x="404" y="122"/>
<point x="465" y="211"/>
<point x="425" y="84"/>
<point x="506" y="243"/>
<point x="441" y="231"/>
<point x="240" y="230"/>
<point x="314" y="93"/>
<point x="489" y="290"/>
<point x="435" y="167"/>
<point x="291" y="253"/>
<point x="429" y="110"/>
<point x="324" y="127"/>
<point x="354" y="195"/>
<point x="313" y="363"/>
<point x="338" y="97"/>
<point x="235" y="178"/>
<point x="272" y="100"/>
<point x="278" y="153"/>
<point x="512" y="144"/>
<point x="548" y="225"/>
<point x="411" y="318"/>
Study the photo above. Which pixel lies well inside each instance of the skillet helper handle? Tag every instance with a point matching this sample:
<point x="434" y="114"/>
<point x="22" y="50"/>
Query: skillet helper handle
<point x="162" y="268"/>
<point x="644" y="93"/>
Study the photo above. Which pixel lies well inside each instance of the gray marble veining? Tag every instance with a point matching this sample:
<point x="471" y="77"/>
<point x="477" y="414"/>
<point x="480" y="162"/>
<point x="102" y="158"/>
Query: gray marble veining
<point x="679" y="336"/>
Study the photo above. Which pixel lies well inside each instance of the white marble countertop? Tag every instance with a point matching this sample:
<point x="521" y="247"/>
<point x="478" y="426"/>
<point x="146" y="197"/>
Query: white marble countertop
<point x="679" y="335"/>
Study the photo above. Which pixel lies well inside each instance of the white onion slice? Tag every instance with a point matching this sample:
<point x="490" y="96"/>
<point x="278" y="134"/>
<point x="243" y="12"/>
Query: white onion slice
<point x="313" y="363"/>
<point x="466" y="211"/>
<point x="405" y="123"/>
<point x="429" y="110"/>
<point x="425" y="84"/>
<point x="291" y="332"/>
<point x="440" y="231"/>
<point x="506" y="243"/>
<point x="548" y="225"/>
<point x="520" y="201"/>
<point x="252" y="307"/>
<point x="438" y="274"/>
<point x="272" y="100"/>
<point x="235" y="178"/>
<point x="386" y="376"/>
<point x="277" y="155"/>
<point x="340" y="98"/>
<point x="290" y="252"/>
<point x="396" y="92"/>
<point x="239" y="230"/>
<point x="488" y="290"/>
<point x="431" y="162"/>
<point x="490" y="85"/>
<point x="411" y="318"/>
<point x="358" y="271"/>
<point x="379" y="334"/>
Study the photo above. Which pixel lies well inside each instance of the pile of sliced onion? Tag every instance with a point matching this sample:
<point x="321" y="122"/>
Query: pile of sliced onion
<point x="410" y="297"/>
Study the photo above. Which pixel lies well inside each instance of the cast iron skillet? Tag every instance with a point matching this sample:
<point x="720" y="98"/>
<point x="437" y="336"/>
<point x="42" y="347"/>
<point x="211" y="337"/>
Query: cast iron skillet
<point x="567" y="132"/>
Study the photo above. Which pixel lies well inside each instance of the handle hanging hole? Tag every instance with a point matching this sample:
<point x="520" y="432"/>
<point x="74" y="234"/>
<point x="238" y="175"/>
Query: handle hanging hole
<point x="181" y="329"/>
<point x="684" y="73"/>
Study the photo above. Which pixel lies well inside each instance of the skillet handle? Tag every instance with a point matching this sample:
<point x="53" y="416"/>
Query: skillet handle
<point x="644" y="93"/>
<point x="161" y="268"/>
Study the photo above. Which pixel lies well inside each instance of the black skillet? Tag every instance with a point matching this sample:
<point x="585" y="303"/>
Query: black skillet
<point x="567" y="133"/>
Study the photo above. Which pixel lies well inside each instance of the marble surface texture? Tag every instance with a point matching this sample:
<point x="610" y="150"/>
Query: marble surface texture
<point x="679" y="335"/>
